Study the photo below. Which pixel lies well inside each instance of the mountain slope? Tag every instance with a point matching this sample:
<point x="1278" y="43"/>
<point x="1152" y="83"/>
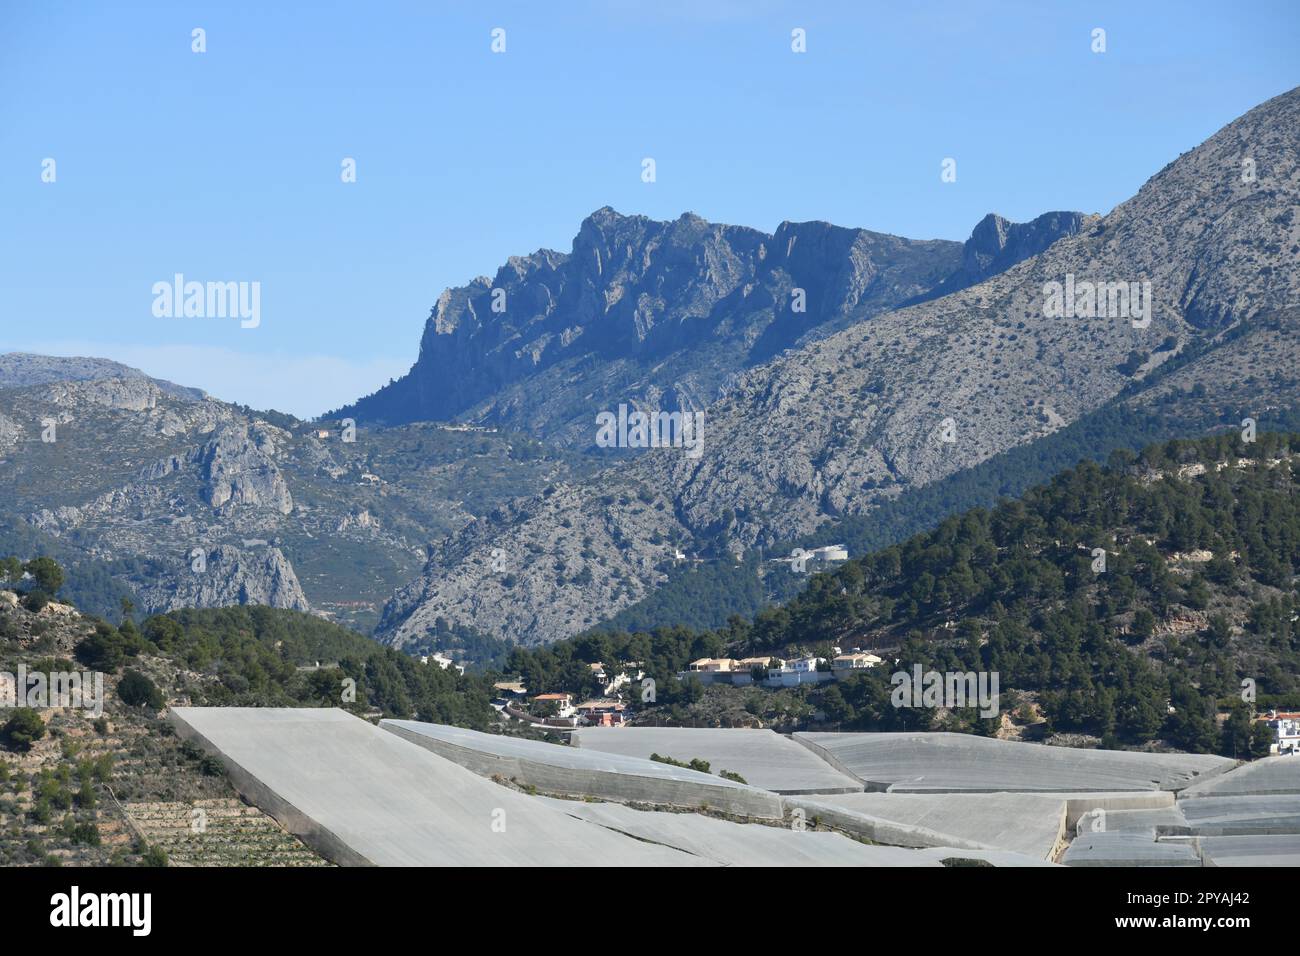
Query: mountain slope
<point x="858" y="418"/>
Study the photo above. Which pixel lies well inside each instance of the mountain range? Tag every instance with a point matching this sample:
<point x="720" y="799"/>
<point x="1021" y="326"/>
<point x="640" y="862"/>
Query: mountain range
<point x="842" y="374"/>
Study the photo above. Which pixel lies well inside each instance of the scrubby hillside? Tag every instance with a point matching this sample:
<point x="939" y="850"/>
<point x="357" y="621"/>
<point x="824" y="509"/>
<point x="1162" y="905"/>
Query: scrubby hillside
<point x="1247" y="373"/>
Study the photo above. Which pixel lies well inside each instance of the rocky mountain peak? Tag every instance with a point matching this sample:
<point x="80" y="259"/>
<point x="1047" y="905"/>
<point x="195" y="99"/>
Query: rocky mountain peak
<point x="661" y="313"/>
<point x="996" y="244"/>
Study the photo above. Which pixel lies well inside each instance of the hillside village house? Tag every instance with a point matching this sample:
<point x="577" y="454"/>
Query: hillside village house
<point x="563" y="703"/>
<point x="711" y="665"/>
<point x="800" y="671"/>
<point x="602" y="713"/>
<point x="442" y="661"/>
<point x="818" y="559"/>
<point x="623" y="678"/>
<point x="853" y="661"/>
<point x="726" y="670"/>
<point x="778" y="672"/>
<point x="1286" y="732"/>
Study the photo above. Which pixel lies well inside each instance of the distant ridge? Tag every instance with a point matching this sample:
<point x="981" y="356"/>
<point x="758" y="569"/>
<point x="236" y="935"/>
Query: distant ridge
<point x="25" y="369"/>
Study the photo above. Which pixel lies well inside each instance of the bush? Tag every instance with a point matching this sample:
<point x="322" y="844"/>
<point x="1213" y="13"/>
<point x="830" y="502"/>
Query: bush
<point x="151" y="854"/>
<point x="135" y="690"/>
<point x="104" y="650"/>
<point x="84" y="833"/>
<point x="23" y="729"/>
<point x="35" y="600"/>
<point x="212" y="766"/>
<point x="47" y="574"/>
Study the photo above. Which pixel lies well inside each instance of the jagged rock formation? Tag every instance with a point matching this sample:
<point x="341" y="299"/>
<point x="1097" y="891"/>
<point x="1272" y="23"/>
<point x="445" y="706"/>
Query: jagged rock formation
<point x="665" y="315"/>
<point x="860" y="416"/>
<point x="997" y="244"/>
<point x="137" y="478"/>
<point x="238" y="469"/>
<point x="661" y="314"/>
<point x="131" y="395"/>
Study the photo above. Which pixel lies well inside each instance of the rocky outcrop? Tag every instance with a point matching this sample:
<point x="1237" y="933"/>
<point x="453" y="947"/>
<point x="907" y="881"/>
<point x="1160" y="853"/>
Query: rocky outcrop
<point x="10" y="432"/>
<point x="238" y="470"/>
<point x="226" y="576"/>
<point x="997" y="244"/>
<point x="130" y="395"/>
<point x="130" y="480"/>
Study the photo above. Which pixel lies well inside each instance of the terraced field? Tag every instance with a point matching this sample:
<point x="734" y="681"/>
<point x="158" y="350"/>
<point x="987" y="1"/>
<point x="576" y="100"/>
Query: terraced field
<point x="218" y="832"/>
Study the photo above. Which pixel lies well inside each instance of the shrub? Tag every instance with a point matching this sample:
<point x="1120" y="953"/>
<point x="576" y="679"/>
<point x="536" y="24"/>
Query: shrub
<point x="151" y="854"/>
<point x="35" y="600"/>
<point x="103" y="650"/>
<point x="47" y="574"/>
<point x="136" y="690"/>
<point x="23" y="729"/>
<point x="212" y="766"/>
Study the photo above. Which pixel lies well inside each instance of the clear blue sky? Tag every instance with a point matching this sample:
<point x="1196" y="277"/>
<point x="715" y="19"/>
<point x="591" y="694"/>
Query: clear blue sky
<point x="225" y="165"/>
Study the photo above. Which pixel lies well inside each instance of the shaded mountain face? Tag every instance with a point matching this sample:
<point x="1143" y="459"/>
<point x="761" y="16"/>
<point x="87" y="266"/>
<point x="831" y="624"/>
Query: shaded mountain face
<point x="657" y="314"/>
<point x="881" y="407"/>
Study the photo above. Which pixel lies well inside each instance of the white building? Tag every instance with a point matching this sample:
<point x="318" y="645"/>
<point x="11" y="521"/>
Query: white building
<point x="802" y="561"/>
<point x="802" y="670"/>
<point x="855" y="661"/>
<point x="1286" y="733"/>
<point x="442" y="661"/>
<point x="563" y="703"/>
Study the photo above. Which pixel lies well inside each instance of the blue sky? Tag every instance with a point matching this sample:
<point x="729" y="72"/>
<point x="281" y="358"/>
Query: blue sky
<point x="225" y="165"/>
